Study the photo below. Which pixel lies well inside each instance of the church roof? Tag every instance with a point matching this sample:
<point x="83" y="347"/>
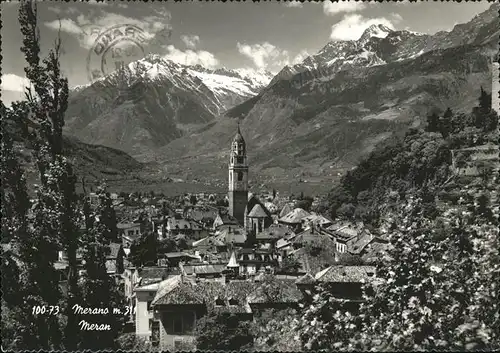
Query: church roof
<point x="232" y="261"/>
<point x="238" y="137"/>
<point x="257" y="212"/>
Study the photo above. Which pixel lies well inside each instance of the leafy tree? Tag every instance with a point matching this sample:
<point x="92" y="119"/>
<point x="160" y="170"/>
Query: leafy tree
<point x="275" y="330"/>
<point x="41" y="118"/>
<point x="98" y="289"/>
<point x="290" y="265"/>
<point x="222" y="332"/>
<point x="143" y="251"/>
<point x="304" y="203"/>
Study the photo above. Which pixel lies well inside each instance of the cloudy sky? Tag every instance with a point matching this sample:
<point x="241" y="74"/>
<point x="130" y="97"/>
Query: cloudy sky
<point x="266" y="35"/>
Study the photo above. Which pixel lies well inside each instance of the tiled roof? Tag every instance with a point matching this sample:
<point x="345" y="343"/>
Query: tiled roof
<point x="183" y="290"/>
<point x="295" y="216"/>
<point x="343" y="274"/>
<point x="276" y="231"/>
<point x="153" y="272"/>
<point x="227" y="219"/>
<point x="310" y="237"/>
<point x="208" y="241"/>
<point x="148" y="287"/>
<point x="306" y="279"/>
<point x="173" y="255"/>
<point x="257" y="212"/>
<point x="127" y="225"/>
<point x="233" y="235"/>
<point x="286" y="210"/>
<point x="317" y="219"/>
<point x="204" y="269"/>
<point x="275" y="290"/>
<point x="174" y="223"/>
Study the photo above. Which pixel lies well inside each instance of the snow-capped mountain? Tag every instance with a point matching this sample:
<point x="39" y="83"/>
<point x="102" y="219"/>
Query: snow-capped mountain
<point x="331" y="109"/>
<point x="380" y="45"/>
<point x="154" y="100"/>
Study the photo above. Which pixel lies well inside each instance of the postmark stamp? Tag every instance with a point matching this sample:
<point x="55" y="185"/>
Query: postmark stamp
<point x="118" y="46"/>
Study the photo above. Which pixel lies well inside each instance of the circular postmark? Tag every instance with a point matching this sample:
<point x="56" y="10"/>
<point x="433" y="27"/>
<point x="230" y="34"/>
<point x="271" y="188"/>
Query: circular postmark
<point x="115" y="48"/>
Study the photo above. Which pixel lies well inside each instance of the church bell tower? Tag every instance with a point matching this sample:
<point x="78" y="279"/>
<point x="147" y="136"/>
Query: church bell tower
<point x="238" y="178"/>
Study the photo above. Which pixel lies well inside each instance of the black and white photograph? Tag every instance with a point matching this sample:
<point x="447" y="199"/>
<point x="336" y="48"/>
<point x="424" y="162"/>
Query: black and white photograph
<point x="250" y="176"/>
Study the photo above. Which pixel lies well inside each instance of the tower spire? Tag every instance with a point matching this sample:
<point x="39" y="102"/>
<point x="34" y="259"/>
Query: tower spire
<point x="239" y="132"/>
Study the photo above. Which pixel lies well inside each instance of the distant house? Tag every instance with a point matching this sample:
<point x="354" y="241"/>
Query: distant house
<point x="251" y="261"/>
<point x="294" y="219"/>
<point x="205" y="216"/>
<point x="181" y="301"/>
<point x="273" y="234"/>
<point x="224" y="220"/>
<point x="367" y="246"/>
<point x="115" y="260"/>
<point x="209" y="245"/>
<point x="134" y="277"/>
<point x="129" y="232"/>
<point x="174" y="258"/>
<point x="345" y="232"/>
<point x="176" y="225"/>
<point x="144" y="317"/>
<point x="316" y="220"/>
<point x="234" y="236"/>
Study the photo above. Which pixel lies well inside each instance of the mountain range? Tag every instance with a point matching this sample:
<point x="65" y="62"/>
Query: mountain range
<point x="311" y="120"/>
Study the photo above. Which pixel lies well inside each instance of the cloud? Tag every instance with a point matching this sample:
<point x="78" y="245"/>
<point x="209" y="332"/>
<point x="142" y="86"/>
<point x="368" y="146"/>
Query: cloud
<point x="396" y="17"/>
<point x="333" y="8"/>
<point x="300" y="57"/>
<point x="191" y="57"/>
<point x="263" y="54"/>
<point x="351" y="27"/>
<point x="87" y="26"/>
<point x="293" y="3"/>
<point x="191" y="41"/>
<point x="12" y="82"/>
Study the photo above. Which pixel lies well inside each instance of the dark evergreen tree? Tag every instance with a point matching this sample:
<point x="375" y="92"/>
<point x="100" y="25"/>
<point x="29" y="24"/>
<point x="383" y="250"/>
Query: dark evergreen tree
<point x="98" y="288"/>
<point x="432" y="123"/>
<point x="445" y="123"/>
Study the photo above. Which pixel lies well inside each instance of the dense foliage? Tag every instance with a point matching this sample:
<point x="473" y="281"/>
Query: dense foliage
<point x="437" y="286"/>
<point x="35" y="231"/>
<point x="222" y="332"/>
<point x="401" y="164"/>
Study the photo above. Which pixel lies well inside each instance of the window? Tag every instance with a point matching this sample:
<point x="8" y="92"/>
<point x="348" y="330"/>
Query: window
<point x="130" y="232"/>
<point x="219" y="302"/>
<point x="233" y="301"/>
<point x="240" y="176"/>
<point x="239" y="160"/>
<point x="155" y="333"/>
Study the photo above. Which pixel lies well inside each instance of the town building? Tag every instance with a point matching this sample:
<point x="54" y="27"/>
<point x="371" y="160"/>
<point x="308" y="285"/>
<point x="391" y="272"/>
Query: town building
<point x="244" y="207"/>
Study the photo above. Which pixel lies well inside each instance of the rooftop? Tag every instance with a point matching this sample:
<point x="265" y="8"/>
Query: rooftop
<point x="295" y="216"/>
<point x="345" y="274"/>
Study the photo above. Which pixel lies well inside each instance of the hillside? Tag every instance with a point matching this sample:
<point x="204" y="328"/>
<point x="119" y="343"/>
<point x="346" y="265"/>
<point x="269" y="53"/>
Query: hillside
<point x="154" y="101"/>
<point x="341" y="102"/>
<point x="314" y="120"/>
